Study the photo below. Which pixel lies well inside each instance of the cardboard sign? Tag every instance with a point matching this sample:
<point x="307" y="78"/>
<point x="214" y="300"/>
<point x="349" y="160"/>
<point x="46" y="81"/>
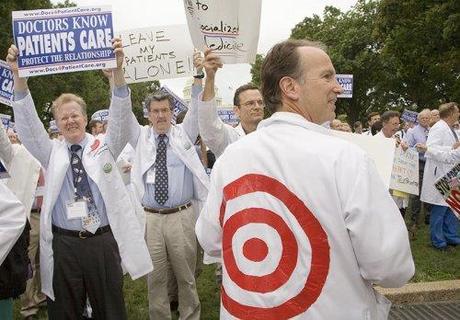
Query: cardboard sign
<point x="6" y="83"/>
<point x="346" y="81"/>
<point x="449" y="187"/>
<point x="409" y="116"/>
<point x="228" y="116"/>
<point x="231" y="28"/>
<point x="156" y="53"/>
<point x="404" y="176"/>
<point x="381" y="150"/>
<point x="63" y="40"/>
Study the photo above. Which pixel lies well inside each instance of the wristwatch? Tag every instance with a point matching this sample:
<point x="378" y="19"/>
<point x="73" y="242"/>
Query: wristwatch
<point x="199" y="75"/>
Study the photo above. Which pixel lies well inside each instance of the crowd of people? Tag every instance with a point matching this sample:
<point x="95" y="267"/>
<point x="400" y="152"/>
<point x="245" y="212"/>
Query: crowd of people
<point x="285" y="199"/>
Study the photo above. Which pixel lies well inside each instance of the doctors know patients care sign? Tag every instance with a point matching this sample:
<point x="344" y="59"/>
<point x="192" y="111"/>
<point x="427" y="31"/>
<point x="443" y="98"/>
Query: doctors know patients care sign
<point x="230" y="27"/>
<point x="6" y="83"/>
<point x="155" y="53"/>
<point x="63" y="40"/>
<point x="449" y="187"/>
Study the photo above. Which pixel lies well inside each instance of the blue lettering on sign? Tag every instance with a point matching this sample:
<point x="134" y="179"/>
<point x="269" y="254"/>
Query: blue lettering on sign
<point x="57" y="40"/>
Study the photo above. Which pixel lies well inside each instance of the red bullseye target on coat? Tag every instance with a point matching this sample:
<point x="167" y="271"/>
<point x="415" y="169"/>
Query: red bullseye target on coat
<point x="256" y="249"/>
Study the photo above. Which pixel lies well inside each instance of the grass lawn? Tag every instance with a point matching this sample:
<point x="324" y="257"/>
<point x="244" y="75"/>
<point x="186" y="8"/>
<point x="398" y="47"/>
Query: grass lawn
<point x="431" y="265"/>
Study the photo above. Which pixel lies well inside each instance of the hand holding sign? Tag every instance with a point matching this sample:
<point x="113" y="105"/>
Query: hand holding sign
<point x="118" y="73"/>
<point x="20" y="84"/>
<point x="212" y="63"/>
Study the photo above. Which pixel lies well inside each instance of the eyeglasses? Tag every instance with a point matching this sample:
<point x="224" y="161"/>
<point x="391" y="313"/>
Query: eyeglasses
<point x="156" y="112"/>
<point x="253" y="103"/>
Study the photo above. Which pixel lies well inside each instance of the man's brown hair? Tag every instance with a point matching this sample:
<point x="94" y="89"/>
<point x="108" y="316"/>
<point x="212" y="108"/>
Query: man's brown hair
<point x="282" y="60"/>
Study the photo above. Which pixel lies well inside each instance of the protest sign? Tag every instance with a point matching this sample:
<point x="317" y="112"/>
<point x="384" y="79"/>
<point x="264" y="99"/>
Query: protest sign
<point x="63" y="40"/>
<point x="231" y="28"/>
<point x="409" y="116"/>
<point x="228" y="116"/>
<point x="346" y="81"/>
<point x="5" y="120"/>
<point x="6" y="83"/>
<point x="404" y="176"/>
<point x="380" y="150"/>
<point x="101" y="115"/>
<point x="449" y="187"/>
<point x="155" y="53"/>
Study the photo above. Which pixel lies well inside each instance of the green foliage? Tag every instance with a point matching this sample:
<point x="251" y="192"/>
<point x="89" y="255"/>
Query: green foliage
<point x="255" y="69"/>
<point x="402" y="53"/>
<point x="420" y="45"/>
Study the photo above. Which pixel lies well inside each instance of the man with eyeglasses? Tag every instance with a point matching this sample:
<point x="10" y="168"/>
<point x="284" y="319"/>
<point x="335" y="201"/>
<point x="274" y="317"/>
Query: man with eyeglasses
<point x="248" y="106"/>
<point x="168" y="175"/>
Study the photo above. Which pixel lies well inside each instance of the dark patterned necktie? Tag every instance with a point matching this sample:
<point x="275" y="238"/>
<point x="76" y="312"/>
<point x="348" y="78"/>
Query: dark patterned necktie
<point x="161" y="171"/>
<point x="82" y="190"/>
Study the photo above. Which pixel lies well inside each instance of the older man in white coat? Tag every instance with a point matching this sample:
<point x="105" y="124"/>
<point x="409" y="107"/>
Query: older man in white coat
<point x="303" y="222"/>
<point x="88" y="228"/>
<point x="442" y="154"/>
<point x="167" y="174"/>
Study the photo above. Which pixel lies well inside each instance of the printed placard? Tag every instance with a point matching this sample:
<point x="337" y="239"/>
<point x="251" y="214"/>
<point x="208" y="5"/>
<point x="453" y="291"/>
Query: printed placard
<point x="228" y="116"/>
<point x="404" y="176"/>
<point x="449" y="187"/>
<point x="5" y="120"/>
<point x="101" y="115"/>
<point x="346" y="81"/>
<point x="409" y="116"/>
<point x="155" y="53"/>
<point x="231" y="28"/>
<point x="63" y="40"/>
<point x="6" y="83"/>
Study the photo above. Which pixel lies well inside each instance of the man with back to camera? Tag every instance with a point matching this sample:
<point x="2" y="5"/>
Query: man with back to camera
<point x="302" y="220"/>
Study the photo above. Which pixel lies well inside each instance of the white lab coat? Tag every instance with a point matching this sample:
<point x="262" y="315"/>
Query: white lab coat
<point x="23" y="169"/>
<point x="215" y="134"/>
<point x="367" y="240"/>
<point x="12" y="220"/>
<point x="440" y="159"/>
<point x="181" y="137"/>
<point x="54" y="157"/>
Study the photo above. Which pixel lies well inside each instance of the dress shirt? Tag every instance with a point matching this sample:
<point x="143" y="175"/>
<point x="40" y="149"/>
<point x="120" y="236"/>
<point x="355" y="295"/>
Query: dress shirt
<point x="417" y="134"/>
<point x="67" y="194"/>
<point x="180" y="179"/>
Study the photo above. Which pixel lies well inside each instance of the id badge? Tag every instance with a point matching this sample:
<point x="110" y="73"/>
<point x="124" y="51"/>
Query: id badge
<point x="77" y="209"/>
<point x="150" y="179"/>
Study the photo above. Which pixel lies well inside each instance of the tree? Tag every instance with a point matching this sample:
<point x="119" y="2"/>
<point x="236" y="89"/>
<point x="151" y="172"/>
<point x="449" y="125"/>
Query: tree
<point x="420" y="46"/>
<point x="352" y="49"/>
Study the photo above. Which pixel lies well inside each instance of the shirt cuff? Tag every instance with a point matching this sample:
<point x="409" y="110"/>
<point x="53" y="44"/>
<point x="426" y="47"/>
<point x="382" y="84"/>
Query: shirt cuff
<point x="196" y="89"/>
<point x="121" y="92"/>
<point x="19" y="95"/>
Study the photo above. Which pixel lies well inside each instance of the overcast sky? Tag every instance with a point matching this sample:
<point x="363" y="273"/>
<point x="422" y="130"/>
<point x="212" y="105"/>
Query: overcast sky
<point x="277" y="20"/>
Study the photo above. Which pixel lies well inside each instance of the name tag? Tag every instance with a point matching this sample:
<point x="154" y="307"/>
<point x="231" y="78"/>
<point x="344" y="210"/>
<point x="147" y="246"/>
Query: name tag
<point x="77" y="209"/>
<point x="150" y="178"/>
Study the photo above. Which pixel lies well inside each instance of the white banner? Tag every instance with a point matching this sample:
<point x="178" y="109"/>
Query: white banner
<point x="155" y="53"/>
<point x="231" y="27"/>
<point x="404" y="176"/>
